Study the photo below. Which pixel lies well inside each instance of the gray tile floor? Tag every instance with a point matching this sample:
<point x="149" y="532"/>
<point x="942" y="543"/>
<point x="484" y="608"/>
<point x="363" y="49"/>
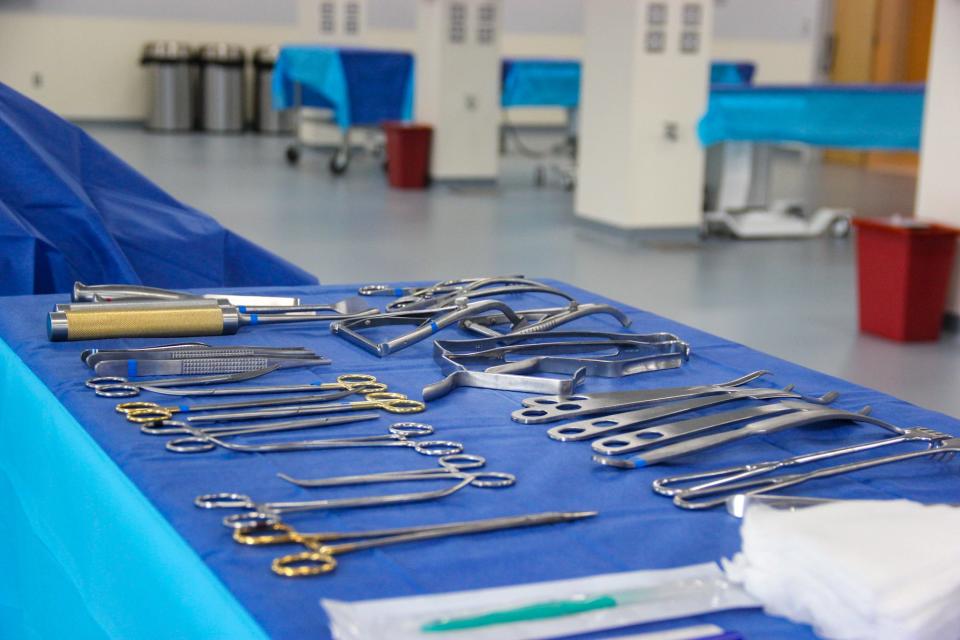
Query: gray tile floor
<point x="794" y="299"/>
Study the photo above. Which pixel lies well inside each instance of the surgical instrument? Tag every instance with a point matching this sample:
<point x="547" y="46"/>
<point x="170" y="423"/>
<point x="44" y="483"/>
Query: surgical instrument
<point x="542" y="409"/>
<point x="606" y="424"/>
<point x="387" y="401"/>
<point x="444" y="293"/>
<point x="659" y="435"/>
<point x="358" y="387"/>
<point x="558" y="317"/>
<point x="202" y="366"/>
<point x="345" y="386"/>
<point x="732" y="477"/>
<point x="119" y="387"/>
<point x="196" y="440"/>
<point x="93" y="357"/>
<point x="111" y="292"/>
<point x="426" y="324"/>
<point x="164" y="318"/>
<point x="659" y="351"/>
<point x="448" y="465"/>
<point x="758" y="427"/>
<point x="768" y="485"/>
<point x="444" y="286"/>
<point x="321" y="557"/>
<point x="399" y="435"/>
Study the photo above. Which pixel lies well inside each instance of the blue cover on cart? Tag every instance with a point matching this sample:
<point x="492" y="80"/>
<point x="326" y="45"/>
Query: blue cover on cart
<point x="71" y="210"/>
<point x="847" y="116"/>
<point x="532" y="82"/>
<point x="540" y="83"/>
<point x="361" y="86"/>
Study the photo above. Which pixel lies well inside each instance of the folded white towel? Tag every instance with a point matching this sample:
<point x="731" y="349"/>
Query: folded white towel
<point x="856" y="569"/>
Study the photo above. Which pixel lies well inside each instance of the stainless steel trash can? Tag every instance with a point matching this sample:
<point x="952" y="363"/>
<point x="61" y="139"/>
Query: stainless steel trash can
<point x="170" y="91"/>
<point x="221" y="87"/>
<point x="266" y="118"/>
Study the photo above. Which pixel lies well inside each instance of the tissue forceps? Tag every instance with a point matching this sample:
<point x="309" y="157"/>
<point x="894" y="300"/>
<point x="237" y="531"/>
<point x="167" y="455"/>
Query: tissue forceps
<point x="321" y="557"/>
<point x="386" y="401"/>
<point x="349" y="384"/>
<point x="768" y="485"/>
<point x="731" y="478"/>
<point x="398" y="436"/>
<point x="196" y="440"/>
<point x="119" y="387"/>
<point x="449" y="465"/>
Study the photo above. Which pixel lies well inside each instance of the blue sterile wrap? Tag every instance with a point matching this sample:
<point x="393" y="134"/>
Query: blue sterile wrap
<point x="102" y="537"/>
<point x="361" y="86"/>
<point x="71" y="210"/>
<point x="846" y="116"/>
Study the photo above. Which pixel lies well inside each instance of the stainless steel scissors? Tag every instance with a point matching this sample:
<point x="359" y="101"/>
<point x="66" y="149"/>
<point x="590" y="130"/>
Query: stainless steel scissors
<point x="389" y="402"/>
<point x="197" y="440"/>
<point x="119" y="387"/>
<point x="349" y="384"/>
<point x="398" y="436"/>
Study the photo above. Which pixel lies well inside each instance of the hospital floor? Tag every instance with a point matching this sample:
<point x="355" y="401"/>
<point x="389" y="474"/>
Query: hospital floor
<point x="793" y="299"/>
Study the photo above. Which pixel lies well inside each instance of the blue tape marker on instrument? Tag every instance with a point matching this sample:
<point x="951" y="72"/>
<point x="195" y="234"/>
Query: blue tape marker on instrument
<point x="131" y="368"/>
<point x="254" y="318"/>
<point x="434" y="327"/>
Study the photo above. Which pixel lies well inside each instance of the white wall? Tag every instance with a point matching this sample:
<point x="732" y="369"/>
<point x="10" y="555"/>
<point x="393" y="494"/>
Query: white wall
<point x="86" y="51"/>
<point x="938" y="190"/>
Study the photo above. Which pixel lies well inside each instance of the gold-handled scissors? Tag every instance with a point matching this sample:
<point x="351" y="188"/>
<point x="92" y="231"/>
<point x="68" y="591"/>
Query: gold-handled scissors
<point x="320" y="557"/>
<point x="346" y="385"/>
<point x="389" y="402"/>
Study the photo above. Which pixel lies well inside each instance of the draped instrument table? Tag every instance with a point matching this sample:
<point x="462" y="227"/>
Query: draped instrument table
<point x="101" y="538"/>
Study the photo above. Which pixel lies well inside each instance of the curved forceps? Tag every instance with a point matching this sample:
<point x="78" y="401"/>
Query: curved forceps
<point x="117" y="387"/>
<point x="349" y="384"/>
<point x="450" y="465"/>
<point x="398" y="436"/>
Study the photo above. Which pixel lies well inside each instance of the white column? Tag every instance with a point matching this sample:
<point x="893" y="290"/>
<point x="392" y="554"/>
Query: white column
<point x="458" y="85"/>
<point x="644" y="88"/>
<point x="938" y="187"/>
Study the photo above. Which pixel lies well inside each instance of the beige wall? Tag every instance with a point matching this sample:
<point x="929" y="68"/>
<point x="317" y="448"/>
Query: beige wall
<point x="89" y="65"/>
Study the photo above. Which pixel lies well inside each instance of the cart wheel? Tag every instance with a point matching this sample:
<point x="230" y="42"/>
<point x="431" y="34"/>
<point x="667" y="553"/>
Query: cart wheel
<point x="840" y="228"/>
<point x="385" y="165"/>
<point x="569" y="184"/>
<point x="293" y="154"/>
<point x="339" y="162"/>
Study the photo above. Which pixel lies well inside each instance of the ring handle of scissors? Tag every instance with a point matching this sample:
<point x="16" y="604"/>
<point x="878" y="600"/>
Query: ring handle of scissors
<point x="461" y="461"/>
<point x="224" y="500"/>
<point x="303" y="564"/>
<point x="402" y="405"/>
<point x="249" y="519"/>
<point x="276" y="533"/>
<point x="492" y="479"/>
<point x="116" y="390"/>
<point x="189" y="444"/>
<point x="99" y="381"/>
<point x="165" y="428"/>
<point x="436" y="447"/>
<point x="406" y="429"/>
<point x="149" y="415"/>
<point x="365" y="388"/>
<point x="127" y="407"/>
